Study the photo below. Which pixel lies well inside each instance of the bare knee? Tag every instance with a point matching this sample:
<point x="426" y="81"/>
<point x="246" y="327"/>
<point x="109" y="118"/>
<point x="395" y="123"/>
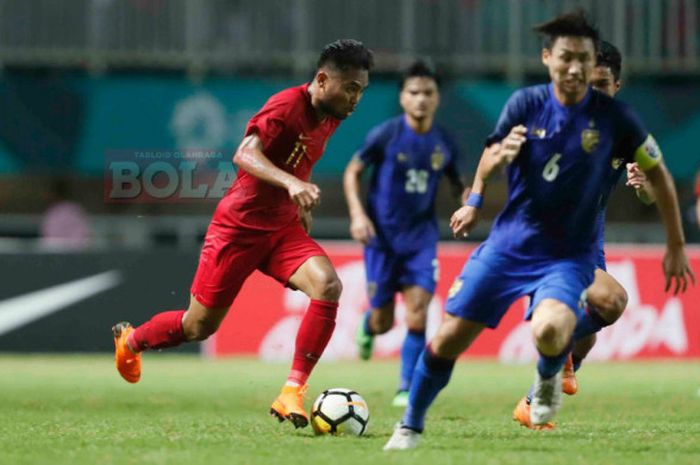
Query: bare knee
<point x="552" y="326"/>
<point x="546" y="333"/>
<point x="612" y="305"/>
<point x="327" y="287"/>
<point x="607" y="296"/>
<point x="416" y="317"/>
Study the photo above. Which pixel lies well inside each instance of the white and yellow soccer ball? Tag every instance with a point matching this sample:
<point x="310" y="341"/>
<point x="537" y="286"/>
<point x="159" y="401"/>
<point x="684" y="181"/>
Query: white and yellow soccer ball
<point x="340" y="411"/>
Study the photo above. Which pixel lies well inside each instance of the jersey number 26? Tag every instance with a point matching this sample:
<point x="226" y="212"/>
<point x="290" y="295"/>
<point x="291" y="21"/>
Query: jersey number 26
<point x="416" y="181"/>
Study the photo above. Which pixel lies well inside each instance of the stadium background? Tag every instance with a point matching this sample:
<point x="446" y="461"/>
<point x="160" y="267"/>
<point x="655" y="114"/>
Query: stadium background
<point x="83" y="80"/>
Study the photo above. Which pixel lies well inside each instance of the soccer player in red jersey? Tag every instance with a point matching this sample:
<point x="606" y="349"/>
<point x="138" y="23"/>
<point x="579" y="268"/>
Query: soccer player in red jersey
<point x="262" y="223"/>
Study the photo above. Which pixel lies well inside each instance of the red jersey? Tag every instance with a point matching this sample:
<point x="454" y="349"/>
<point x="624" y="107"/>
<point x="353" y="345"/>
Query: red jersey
<point x="293" y="140"/>
<point x="697" y="184"/>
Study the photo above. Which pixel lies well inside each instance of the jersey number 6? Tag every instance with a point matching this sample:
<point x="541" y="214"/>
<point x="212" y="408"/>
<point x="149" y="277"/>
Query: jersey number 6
<point x="551" y="169"/>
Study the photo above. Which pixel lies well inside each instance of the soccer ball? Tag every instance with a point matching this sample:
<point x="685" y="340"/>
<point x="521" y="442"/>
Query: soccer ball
<point x="339" y="411"/>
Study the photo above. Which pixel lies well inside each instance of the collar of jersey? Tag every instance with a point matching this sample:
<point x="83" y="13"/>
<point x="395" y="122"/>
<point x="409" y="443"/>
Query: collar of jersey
<point x="569" y="109"/>
<point x="414" y="133"/>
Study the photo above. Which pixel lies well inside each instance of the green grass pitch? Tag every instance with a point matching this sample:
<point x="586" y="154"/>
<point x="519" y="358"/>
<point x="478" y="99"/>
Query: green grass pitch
<point x="76" y="410"/>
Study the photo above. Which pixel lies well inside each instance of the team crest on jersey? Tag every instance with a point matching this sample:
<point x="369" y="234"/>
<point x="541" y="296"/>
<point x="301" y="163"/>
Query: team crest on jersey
<point x="371" y="289"/>
<point x="455" y="288"/>
<point x="617" y="163"/>
<point x="401" y="157"/>
<point x="590" y="138"/>
<point x="437" y="159"/>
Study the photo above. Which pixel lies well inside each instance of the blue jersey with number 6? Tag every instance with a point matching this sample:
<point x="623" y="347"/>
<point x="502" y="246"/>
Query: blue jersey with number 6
<point x="565" y="171"/>
<point x="407" y="170"/>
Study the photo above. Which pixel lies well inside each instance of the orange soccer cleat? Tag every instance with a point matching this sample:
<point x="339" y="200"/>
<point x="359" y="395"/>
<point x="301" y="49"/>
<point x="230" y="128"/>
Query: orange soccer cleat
<point x="521" y="414"/>
<point x="569" y="385"/>
<point x="289" y="405"/>
<point x="128" y="362"/>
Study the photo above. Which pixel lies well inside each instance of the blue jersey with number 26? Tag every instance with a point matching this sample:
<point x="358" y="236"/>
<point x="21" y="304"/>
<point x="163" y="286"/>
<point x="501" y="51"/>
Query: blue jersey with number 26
<point x="407" y="170"/>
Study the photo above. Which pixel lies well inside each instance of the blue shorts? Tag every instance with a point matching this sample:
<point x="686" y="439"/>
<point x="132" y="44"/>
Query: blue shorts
<point x="388" y="272"/>
<point x="491" y="281"/>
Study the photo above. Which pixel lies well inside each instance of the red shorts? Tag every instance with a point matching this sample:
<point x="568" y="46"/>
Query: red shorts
<point x="229" y="255"/>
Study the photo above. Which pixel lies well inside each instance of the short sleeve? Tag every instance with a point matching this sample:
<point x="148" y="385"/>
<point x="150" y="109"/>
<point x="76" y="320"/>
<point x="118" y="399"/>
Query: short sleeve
<point x="636" y="144"/>
<point x="513" y="113"/>
<point x="272" y="118"/>
<point x="372" y="150"/>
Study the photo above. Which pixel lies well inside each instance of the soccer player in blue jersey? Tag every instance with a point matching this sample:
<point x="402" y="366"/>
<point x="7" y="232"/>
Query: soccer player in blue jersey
<point x="606" y="297"/>
<point x="558" y="142"/>
<point x="409" y="155"/>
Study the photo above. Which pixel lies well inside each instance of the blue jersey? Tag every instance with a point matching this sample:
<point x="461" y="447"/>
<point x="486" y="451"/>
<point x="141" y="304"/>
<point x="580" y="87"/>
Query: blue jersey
<point x="561" y="179"/>
<point x="407" y="170"/>
<point x="616" y="169"/>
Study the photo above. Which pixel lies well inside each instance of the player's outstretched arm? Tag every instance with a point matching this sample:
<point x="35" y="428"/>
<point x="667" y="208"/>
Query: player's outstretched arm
<point x="466" y="218"/>
<point x="361" y="226"/>
<point x="638" y="180"/>
<point x="677" y="270"/>
<point x="250" y="157"/>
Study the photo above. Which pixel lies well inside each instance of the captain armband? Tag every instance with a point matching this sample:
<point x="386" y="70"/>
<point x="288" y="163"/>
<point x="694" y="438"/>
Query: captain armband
<point x="648" y="155"/>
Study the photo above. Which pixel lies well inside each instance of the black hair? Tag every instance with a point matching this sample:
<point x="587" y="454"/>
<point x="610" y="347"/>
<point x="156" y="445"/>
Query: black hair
<point x="419" y="68"/>
<point x="345" y="54"/>
<point x="574" y="24"/>
<point x="609" y="56"/>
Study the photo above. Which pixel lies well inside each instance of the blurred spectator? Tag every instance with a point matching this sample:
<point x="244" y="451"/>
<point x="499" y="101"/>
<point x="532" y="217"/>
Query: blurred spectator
<point x="65" y="224"/>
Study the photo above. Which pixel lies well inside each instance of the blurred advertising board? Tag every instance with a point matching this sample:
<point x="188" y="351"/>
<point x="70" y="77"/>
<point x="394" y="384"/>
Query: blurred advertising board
<point x="265" y="316"/>
<point x="67" y="302"/>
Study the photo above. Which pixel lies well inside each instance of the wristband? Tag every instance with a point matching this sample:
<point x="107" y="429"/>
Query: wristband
<point x="474" y="200"/>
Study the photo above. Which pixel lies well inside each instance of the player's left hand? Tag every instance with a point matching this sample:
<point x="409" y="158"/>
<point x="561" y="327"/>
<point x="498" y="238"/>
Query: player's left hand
<point x="635" y="176"/>
<point x="463" y="221"/>
<point x="306" y="219"/>
<point x="677" y="270"/>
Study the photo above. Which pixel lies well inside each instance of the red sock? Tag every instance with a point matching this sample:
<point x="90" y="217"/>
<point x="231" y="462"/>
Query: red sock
<point x="161" y="331"/>
<point x="314" y="333"/>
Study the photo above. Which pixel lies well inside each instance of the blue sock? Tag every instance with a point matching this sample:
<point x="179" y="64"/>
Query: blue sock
<point x="590" y="322"/>
<point x="549" y="366"/>
<point x="577" y="361"/>
<point x="412" y="347"/>
<point x="365" y="322"/>
<point x="432" y="373"/>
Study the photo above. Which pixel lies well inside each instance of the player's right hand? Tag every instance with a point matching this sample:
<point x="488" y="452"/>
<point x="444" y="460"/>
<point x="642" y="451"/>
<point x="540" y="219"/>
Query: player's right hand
<point x="677" y="270"/>
<point x="362" y="229"/>
<point x="463" y="221"/>
<point x="511" y="145"/>
<point x="304" y="194"/>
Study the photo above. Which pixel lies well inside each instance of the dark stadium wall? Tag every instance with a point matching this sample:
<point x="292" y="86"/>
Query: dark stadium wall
<point x="90" y="116"/>
<point x="69" y="302"/>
